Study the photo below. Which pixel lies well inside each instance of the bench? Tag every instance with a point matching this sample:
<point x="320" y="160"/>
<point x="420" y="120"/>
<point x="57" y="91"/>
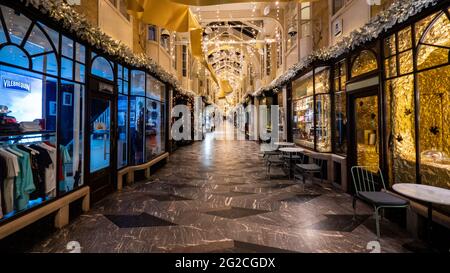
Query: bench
<point x="61" y="206"/>
<point x="129" y="171"/>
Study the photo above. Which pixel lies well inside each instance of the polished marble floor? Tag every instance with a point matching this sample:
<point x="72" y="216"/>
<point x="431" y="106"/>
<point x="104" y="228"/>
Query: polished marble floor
<point x="214" y="196"/>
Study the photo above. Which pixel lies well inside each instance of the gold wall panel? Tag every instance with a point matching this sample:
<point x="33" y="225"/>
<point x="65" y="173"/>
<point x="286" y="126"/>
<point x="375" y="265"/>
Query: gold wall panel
<point x="434" y="90"/>
<point x="401" y="129"/>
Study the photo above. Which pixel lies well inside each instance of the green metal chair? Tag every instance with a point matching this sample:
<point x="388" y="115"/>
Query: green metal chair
<point x="373" y="192"/>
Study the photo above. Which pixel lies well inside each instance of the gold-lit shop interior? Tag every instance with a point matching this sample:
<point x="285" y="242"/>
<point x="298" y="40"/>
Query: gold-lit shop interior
<point x="311" y="110"/>
<point x="429" y="39"/>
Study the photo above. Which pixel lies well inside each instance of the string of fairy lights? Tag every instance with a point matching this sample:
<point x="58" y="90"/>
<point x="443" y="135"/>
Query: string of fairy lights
<point x="230" y="51"/>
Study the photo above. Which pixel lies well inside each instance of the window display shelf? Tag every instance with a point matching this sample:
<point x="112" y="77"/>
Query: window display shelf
<point x="27" y="133"/>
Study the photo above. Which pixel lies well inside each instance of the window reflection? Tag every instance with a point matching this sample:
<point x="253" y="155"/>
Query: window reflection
<point x="71" y="136"/>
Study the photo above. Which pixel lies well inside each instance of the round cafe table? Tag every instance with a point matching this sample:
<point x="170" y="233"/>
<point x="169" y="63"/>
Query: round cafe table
<point x="428" y="194"/>
<point x="291" y="151"/>
<point x="284" y="144"/>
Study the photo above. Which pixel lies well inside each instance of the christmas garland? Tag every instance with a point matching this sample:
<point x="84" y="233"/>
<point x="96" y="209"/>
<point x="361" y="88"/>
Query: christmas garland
<point x="70" y="20"/>
<point x="398" y="12"/>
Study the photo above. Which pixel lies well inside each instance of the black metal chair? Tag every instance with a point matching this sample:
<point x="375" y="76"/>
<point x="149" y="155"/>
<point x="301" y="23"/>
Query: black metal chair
<point x="276" y="161"/>
<point x="310" y="169"/>
<point x="368" y="190"/>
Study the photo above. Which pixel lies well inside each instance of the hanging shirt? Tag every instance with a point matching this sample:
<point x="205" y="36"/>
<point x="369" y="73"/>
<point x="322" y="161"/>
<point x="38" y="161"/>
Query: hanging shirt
<point x="50" y="172"/>
<point x="8" y="184"/>
<point x="44" y="163"/>
<point x="24" y="185"/>
<point x="36" y="171"/>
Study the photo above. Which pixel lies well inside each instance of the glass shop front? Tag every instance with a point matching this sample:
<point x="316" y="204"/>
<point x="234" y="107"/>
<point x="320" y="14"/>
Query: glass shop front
<point x="69" y="117"/>
<point x="385" y="105"/>
<point x="311" y="105"/>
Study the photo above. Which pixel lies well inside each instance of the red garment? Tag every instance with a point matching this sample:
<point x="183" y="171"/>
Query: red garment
<point x="60" y="170"/>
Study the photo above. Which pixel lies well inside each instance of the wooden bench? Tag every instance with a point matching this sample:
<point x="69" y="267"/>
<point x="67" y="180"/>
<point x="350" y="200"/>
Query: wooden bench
<point x="129" y="171"/>
<point x="61" y="206"/>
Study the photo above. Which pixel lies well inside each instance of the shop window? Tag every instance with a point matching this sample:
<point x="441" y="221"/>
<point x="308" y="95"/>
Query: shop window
<point x="398" y="53"/>
<point x="122" y="130"/>
<point x="340" y="110"/>
<point x="70" y="174"/>
<point x="66" y="68"/>
<point x="80" y="54"/>
<point x="54" y="35"/>
<point x="434" y="98"/>
<point x="14" y="55"/>
<point x="154" y="129"/>
<point x="122" y="117"/>
<point x="322" y="80"/>
<point x="46" y="64"/>
<point x="24" y="128"/>
<point x="67" y="47"/>
<point x="37" y="42"/>
<point x="138" y="82"/>
<point x="434" y="46"/>
<point x="401" y="129"/>
<point x="303" y="86"/>
<point x="303" y="122"/>
<point x="155" y="89"/>
<point x="364" y="63"/>
<point x="16" y="25"/>
<point x="137" y="129"/>
<point x="102" y="68"/>
<point x="323" y="124"/>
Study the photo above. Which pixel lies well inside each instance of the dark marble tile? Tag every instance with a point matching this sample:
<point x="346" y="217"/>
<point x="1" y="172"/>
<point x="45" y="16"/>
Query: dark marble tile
<point x="340" y="222"/>
<point x="300" y="198"/>
<point x="231" y="193"/>
<point x="234" y="213"/>
<point x="167" y="197"/>
<point x="138" y="221"/>
<point x="281" y="186"/>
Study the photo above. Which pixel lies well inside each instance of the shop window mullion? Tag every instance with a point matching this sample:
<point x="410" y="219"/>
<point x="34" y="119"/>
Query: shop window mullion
<point x="416" y="105"/>
<point x="5" y="29"/>
<point x="27" y="34"/>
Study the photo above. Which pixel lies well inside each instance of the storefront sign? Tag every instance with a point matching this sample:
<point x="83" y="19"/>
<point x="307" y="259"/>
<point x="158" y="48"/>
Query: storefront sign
<point x="17" y="85"/>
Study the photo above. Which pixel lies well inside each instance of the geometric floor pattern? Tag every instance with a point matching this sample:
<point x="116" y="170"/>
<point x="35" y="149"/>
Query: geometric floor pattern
<point x="215" y="196"/>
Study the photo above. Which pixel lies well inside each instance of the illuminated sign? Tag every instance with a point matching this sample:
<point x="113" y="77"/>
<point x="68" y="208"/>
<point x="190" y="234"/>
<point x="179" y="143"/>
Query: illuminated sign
<point x="17" y="85"/>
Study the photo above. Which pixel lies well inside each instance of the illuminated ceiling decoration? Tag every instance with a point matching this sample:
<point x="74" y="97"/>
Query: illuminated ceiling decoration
<point x="175" y="17"/>
<point x="220" y="2"/>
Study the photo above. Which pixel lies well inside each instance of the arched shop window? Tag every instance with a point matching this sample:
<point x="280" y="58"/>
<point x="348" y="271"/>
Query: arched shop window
<point x="430" y="41"/>
<point x="433" y="64"/>
<point x="365" y="62"/>
<point x="35" y="93"/>
<point x="102" y="68"/>
<point x="25" y="44"/>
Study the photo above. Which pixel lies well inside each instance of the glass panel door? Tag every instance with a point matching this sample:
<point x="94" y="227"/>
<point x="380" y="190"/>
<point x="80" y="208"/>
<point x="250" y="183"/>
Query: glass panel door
<point x="100" y="134"/>
<point x="367" y="136"/>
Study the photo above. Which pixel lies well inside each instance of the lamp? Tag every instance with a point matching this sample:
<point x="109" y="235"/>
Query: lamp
<point x="165" y="34"/>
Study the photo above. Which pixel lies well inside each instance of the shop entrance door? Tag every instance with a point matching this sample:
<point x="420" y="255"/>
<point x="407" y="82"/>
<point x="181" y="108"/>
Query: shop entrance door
<point x="364" y="148"/>
<point x="100" y="139"/>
